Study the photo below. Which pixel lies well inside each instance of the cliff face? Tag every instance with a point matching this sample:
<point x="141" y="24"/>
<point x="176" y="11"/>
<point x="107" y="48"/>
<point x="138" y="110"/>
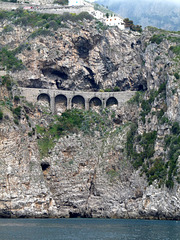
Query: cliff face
<point x="113" y="163"/>
<point x="78" y="57"/>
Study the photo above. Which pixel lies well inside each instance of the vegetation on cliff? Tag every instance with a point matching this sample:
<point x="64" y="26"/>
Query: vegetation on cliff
<point x="141" y="147"/>
<point x="74" y="121"/>
<point x="35" y="19"/>
<point x="9" y="61"/>
<point x="129" y="24"/>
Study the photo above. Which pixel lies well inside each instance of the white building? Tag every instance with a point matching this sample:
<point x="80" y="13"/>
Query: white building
<point x="115" y="21"/>
<point x="97" y="14"/>
<point x="76" y="3"/>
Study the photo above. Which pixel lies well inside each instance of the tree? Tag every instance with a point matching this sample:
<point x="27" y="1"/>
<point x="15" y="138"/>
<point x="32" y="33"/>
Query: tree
<point x="129" y="24"/>
<point x="107" y="15"/>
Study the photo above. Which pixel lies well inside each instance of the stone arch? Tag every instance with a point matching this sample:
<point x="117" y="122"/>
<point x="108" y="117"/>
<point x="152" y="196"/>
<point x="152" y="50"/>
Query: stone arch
<point x="60" y="103"/>
<point x="78" y="102"/>
<point x="95" y="102"/>
<point x="44" y="99"/>
<point x="112" y="101"/>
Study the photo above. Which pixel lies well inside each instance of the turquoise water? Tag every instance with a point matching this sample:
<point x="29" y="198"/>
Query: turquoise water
<point x="82" y="229"/>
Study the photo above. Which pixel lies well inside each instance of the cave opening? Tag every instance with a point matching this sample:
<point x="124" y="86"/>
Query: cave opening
<point x="61" y="73"/>
<point x="45" y="166"/>
<point x="142" y="87"/>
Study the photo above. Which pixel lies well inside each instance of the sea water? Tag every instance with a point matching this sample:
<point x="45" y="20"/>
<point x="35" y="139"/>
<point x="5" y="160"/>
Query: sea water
<point x="82" y="229"/>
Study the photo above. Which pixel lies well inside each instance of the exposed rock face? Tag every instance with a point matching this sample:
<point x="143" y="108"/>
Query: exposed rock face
<point x="88" y="175"/>
<point x="81" y="58"/>
<point x="82" y="177"/>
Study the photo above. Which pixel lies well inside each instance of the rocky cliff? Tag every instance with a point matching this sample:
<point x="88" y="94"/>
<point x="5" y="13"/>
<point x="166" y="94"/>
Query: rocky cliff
<point x="120" y="163"/>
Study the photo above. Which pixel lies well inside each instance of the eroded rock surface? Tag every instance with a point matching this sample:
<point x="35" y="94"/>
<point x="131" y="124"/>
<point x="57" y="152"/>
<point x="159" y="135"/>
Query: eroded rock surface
<point x="88" y="175"/>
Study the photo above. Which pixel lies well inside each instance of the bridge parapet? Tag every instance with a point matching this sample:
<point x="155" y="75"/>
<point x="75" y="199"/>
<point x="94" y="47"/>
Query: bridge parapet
<point x="78" y="99"/>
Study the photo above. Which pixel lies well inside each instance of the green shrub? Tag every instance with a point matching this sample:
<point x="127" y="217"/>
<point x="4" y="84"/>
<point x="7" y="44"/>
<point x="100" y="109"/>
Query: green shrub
<point x="146" y="108"/>
<point x="143" y="159"/>
<point x="157" y="171"/>
<point x="8" y="28"/>
<point x="116" y="89"/>
<point x="137" y="98"/>
<point x="157" y="38"/>
<point x="45" y="20"/>
<point x="16" y="121"/>
<point x="61" y="2"/>
<point x="130" y="139"/>
<point x="16" y="98"/>
<point x="82" y="16"/>
<point x="7" y="81"/>
<point x="1" y="115"/>
<point x="170" y="183"/>
<point x="160" y="114"/>
<point x="175" y="49"/>
<point x="176" y="75"/>
<point x="53" y="24"/>
<point x="175" y="128"/>
<point x="162" y="87"/>
<point x="73" y="121"/>
<point x="17" y="112"/>
<point x="130" y="24"/>
<point x="41" y="32"/>
<point x="100" y="25"/>
<point x="172" y="144"/>
<point x="9" y="61"/>
<point x="108" y="90"/>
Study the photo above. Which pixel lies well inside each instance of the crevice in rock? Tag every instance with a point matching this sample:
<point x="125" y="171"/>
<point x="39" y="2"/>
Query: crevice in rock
<point x="34" y="83"/>
<point x="83" y="47"/>
<point x="51" y="73"/>
<point x="58" y="84"/>
<point x="60" y="74"/>
<point x="45" y="166"/>
<point x="91" y="80"/>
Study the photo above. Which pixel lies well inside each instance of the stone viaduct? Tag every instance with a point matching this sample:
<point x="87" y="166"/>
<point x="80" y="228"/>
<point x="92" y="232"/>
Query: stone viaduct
<point x="60" y="100"/>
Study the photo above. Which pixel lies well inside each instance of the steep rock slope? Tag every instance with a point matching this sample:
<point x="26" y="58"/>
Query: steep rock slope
<point x="109" y="163"/>
<point x="78" y="56"/>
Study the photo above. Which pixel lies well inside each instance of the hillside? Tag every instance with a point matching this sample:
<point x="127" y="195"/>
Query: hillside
<point x="104" y="162"/>
<point x="160" y="14"/>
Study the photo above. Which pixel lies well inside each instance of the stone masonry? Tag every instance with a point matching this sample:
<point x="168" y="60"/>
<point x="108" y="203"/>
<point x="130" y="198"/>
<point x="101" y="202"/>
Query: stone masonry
<point x="117" y="98"/>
